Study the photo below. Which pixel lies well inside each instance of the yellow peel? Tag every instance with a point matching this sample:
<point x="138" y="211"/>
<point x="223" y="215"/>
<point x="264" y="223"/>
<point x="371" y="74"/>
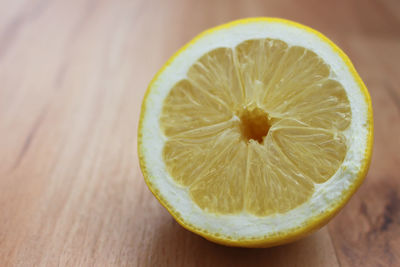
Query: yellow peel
<point x="312" y="223"/>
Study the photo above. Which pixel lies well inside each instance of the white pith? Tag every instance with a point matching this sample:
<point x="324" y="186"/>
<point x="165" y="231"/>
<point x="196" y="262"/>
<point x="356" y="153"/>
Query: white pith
<point x="246" y="225"/>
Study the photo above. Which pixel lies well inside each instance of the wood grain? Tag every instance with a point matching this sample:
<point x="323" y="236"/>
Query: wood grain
<point x="72" y="77"/>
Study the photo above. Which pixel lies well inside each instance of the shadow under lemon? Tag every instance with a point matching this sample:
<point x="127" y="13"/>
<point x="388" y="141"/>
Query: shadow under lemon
<point x="172" y="245"/>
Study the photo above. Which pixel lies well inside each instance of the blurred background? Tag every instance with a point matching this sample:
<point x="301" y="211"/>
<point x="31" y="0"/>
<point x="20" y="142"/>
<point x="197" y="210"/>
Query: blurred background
<point x="72" y="77"/>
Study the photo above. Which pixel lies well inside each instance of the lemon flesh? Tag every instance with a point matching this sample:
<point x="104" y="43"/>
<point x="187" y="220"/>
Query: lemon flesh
<point x="254" y="128"/>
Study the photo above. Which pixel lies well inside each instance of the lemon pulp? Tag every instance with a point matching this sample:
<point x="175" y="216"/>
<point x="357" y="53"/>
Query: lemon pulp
<point x="254" y="128"/>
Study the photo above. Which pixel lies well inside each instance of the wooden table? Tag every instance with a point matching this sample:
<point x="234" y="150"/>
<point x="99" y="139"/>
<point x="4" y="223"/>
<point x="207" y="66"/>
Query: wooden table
<point x="72" y="77"/>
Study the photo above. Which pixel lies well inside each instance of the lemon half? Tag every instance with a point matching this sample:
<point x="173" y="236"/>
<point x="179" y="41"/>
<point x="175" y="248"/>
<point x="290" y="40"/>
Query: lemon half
<point x="256" y="132"/>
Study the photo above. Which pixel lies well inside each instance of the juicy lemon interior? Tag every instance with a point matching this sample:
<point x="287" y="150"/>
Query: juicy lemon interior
<point x="254" y="128"/>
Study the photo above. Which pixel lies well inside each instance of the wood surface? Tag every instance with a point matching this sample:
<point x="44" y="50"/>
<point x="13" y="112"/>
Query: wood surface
<point x="72" y="77"/>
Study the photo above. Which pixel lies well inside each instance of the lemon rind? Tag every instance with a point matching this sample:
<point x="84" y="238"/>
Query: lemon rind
<point x="312" y="223"/>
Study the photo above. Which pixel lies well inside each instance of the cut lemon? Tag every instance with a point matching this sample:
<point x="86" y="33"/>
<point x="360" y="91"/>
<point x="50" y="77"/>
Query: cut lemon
<point x="256" y="132"/>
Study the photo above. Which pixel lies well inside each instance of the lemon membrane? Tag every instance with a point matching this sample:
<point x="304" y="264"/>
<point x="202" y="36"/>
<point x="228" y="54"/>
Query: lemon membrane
<point x="288" y="135"/>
